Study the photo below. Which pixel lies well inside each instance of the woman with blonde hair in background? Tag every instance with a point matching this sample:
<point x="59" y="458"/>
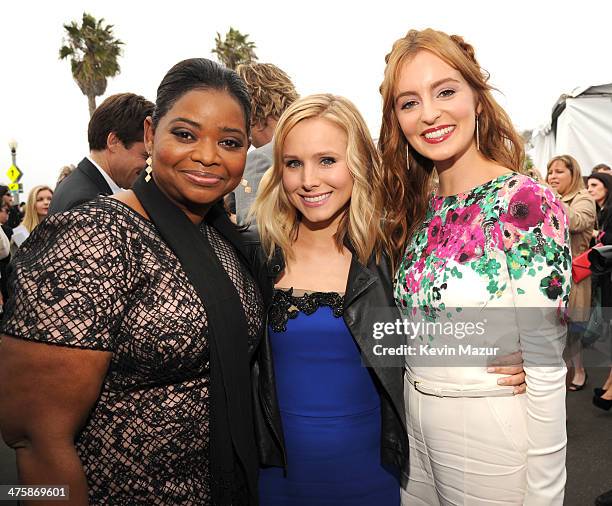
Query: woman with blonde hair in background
<point x="36" y="209"/>
<point x="318" y="213"/>
<point x="487" y="237"/>
<point x="564" y="176"/>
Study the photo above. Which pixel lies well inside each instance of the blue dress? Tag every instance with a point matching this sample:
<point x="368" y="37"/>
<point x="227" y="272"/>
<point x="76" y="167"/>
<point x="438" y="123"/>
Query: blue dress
<point x="330" y="410"/>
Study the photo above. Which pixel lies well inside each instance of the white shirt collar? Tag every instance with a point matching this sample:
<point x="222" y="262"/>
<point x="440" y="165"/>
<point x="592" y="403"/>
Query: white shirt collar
<point x="113" y="186"/>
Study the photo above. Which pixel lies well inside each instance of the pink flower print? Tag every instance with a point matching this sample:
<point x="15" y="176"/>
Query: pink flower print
<point x="436" y="203"/>
<point x="434" y="234"/>
<point x="524" y="209"/>
<point x="468" y="215"/>
<point x="497" y="237"/>
<point x="555" y="221"/>
<point x="474" y="248"/>
<point x="412" y="280"/>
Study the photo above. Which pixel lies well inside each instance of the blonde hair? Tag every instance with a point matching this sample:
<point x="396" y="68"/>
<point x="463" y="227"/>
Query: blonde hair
<point x="572" y="165"/>
<point x="278" y="220"/>
<point x="31" y="218"/>
<point x="407" y="174"/>
<point x="65" y="171"/>
<point x="270" y="88"/>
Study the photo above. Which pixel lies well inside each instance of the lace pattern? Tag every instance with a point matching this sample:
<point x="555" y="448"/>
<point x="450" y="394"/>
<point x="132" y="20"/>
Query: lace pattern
<point x="100" y="277"/>
<point x="286" y="306"/>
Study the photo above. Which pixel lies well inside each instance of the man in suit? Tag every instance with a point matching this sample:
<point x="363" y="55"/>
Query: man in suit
<point x="271" y="93"/>
<point x="117" y="152"/>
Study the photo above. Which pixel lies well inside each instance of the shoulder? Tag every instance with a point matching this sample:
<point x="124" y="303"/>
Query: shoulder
<point x="258" y="257"/>
<point x="19" y="230"/>
<point x="95" y="219"/>
<point x="382" y="269"/>
<point x="530" y="213"/>
<point x="76" y="189"/>
<point x="582" y="198"/>
<point x="520" y="184"/>
<point x="20" y="234"/>
<point x="252" y="243"/>
<point x="250" y="235"/>
<point x="261" y="156"/>
<point x="524" y="197"/>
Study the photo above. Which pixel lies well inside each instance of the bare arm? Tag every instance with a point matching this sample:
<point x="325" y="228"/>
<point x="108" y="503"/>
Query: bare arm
<point x="46" y="394"/>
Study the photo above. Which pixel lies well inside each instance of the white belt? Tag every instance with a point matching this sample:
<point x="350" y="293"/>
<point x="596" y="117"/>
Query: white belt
<point x="431" y="388"/>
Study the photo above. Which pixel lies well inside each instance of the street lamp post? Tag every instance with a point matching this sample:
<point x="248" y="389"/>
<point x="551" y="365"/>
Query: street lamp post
<point x="13" y="145"/>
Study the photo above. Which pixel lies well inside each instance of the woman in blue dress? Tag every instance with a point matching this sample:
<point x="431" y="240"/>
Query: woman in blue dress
<point x="318" y="214"/>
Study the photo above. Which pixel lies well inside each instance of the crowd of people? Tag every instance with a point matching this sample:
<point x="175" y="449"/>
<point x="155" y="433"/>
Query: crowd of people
<point x="189" y="323"/>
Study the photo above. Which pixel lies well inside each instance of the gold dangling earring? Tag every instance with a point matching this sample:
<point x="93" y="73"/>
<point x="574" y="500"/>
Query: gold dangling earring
<point x="149" y="169"/>
<point x="477" y="135"/>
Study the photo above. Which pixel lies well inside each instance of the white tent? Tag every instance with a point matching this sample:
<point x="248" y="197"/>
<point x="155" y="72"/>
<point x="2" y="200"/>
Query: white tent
<point x="581" y="126"/>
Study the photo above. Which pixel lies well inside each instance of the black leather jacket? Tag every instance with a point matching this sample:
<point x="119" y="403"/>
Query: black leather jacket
<point x="368" y="288"/>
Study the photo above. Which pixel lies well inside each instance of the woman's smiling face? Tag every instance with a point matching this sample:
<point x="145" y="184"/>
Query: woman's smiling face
<point x="199" y="148"/>
<point x="316" y="177"/>
<point x="436" y="108"/>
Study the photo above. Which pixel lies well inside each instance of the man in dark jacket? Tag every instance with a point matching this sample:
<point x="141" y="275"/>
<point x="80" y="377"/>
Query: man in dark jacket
<point x="117" y="152"/>
<point x="14" y="216"/>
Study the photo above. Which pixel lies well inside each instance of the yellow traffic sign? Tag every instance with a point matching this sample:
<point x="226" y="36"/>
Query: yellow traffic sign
<point x="13" y="187"/>
<point x="13" y="173"/>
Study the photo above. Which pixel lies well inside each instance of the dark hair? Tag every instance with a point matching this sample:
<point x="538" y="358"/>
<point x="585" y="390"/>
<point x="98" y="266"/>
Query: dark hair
<point x="3" y="190"/>
<point x="200" y="74"/>
<point x="600" y="166"/>
<point x="123" y="114"/>
<point x="606" y="180"/>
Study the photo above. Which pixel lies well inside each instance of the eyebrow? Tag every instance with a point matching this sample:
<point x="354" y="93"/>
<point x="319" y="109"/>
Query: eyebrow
<point x="315" y="155"/>
<point x="186" y="120"/>
<point x="233" y="130"/>
<point x="433" y="85"/>
<point x="195" y="124"/>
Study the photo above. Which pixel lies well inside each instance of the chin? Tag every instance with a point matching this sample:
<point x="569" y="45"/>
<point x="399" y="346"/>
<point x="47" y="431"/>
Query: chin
<point x="321" y="217"/>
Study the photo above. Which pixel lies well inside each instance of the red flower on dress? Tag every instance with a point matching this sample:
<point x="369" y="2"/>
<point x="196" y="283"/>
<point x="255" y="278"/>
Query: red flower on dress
<point x="524" y="209"/>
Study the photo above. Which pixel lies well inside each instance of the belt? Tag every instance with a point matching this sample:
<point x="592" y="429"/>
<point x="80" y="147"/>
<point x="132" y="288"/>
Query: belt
<point x="431" y="388"/>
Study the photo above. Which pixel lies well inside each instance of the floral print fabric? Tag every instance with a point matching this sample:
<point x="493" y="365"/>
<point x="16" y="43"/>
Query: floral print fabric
<point x="504" y="243"/>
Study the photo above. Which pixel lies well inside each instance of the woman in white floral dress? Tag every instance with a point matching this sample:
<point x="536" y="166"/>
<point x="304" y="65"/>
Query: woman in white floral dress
<point x="488" y="247"/>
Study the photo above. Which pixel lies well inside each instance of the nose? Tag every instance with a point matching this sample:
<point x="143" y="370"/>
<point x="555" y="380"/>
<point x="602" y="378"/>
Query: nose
<point x="310" y="177"/>
<point x="429" y="111"/>
<point x="206" y="152"/>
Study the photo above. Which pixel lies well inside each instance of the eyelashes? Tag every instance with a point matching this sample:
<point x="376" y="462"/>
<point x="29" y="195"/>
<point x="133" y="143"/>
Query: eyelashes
<point x="325" y="161"/>
<point x="445" y="93"/>
<point x="187" y="136"/>
<point x="183" y="135"/>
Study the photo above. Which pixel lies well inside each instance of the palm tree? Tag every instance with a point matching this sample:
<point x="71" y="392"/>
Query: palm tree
<point x="235" y="49"/>
<point x="93" y="52"/>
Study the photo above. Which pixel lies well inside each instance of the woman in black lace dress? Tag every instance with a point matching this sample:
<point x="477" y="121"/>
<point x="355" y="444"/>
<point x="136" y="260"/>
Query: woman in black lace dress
<point x="124" y="364"/>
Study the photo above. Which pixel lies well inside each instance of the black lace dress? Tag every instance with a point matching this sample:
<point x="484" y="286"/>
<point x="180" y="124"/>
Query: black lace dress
<point x="101" y="278"/>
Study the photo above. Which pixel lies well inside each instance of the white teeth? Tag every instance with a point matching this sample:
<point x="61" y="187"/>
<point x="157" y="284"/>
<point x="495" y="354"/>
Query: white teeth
<point x="317" y="199"/>
<point x="439" y="133"/>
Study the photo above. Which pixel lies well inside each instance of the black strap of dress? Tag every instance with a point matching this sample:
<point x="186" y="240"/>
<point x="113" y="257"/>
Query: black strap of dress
<point x="233" y="454"/>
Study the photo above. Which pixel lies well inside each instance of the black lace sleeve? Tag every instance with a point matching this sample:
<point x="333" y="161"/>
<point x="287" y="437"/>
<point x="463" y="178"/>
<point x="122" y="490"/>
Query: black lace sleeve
<point x="68" y="280"/>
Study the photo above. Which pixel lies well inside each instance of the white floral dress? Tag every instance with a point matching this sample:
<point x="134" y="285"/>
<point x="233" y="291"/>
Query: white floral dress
<point x="503" y="245"/>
